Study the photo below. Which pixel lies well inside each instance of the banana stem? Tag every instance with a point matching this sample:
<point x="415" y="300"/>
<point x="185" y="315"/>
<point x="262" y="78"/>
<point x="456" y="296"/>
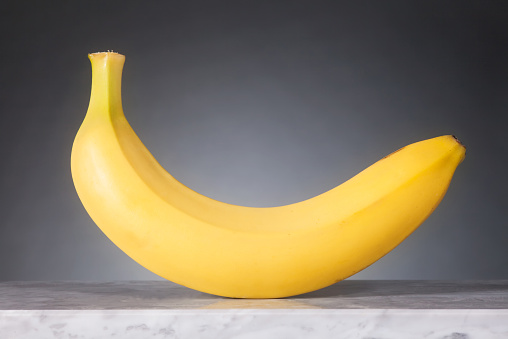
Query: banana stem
<point x="106" y="96"/>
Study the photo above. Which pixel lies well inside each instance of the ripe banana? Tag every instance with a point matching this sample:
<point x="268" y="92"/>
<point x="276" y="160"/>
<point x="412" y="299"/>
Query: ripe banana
<point x="238" y="251"/>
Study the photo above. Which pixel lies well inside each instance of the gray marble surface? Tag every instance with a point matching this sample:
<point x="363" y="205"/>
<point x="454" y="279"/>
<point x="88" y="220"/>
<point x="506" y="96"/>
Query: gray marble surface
<point x="348" y="294"/>
<point x="161" y="309"/>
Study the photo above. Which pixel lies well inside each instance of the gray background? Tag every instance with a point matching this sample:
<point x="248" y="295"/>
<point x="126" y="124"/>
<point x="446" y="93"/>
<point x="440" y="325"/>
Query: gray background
<point x="258" y="103"/>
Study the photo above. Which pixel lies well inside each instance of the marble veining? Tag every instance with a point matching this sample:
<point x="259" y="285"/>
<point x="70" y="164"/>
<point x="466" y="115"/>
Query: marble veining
<point x="349" y="309"/>
<point x="254" y="323"/>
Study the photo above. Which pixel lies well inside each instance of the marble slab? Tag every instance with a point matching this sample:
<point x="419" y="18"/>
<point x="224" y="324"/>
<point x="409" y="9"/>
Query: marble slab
<point x="161" y="309"/>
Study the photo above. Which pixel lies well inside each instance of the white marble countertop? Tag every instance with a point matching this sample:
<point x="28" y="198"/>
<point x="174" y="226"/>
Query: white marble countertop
<point x="161" y="309"/>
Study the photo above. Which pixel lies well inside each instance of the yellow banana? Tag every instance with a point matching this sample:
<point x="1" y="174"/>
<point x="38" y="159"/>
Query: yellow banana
<point x="237" y="251"/>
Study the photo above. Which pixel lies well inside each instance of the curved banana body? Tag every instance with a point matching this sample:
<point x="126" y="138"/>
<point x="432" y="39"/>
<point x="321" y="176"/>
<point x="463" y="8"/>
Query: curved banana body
<point x="237" y="251"/>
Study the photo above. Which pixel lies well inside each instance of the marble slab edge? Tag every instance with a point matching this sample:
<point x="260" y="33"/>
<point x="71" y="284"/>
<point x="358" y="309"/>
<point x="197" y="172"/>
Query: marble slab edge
<point x="255" y="323"/>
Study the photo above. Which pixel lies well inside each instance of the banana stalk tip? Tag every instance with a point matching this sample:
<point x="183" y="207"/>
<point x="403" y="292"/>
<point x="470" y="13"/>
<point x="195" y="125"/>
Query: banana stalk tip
<point x="108" y="52"/>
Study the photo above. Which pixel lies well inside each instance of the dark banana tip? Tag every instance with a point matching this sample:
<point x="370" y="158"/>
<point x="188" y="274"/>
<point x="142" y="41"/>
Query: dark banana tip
<point x="457" y="139"/>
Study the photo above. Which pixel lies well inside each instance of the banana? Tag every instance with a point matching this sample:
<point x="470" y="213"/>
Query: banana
<point x="237" y="251"/>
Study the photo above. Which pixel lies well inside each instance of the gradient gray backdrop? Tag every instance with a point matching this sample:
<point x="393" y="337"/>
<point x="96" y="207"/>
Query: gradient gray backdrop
<point x="258" y="103"/>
